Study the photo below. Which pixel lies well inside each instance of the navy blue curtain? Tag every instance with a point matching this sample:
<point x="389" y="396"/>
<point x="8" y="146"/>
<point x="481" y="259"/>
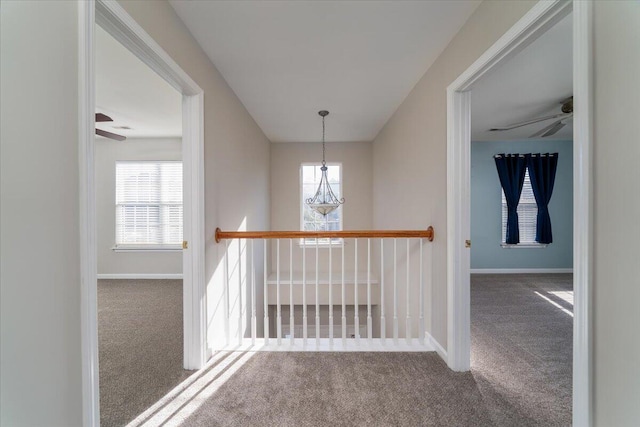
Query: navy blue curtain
<point x="511" y="170"/>
<point x="542" y="172"/>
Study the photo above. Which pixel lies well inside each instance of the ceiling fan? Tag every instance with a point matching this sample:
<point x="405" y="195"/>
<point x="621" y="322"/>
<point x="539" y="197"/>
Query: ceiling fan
<point x="104" y="118"/>
<point x="559" y="123"/>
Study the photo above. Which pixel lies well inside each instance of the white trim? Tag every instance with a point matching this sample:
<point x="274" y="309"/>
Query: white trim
<point x="115" y="20"/>
<point x="140" y="276"/>
<point x="110" y="15"/>
<point x="120" y="25"/>
<point x="324" y="345"/>
<point x="542" y="16"/>
<point x="134" y="248"/>
<point x="582" y="208"/>
<point x="523" y="246"/>
<point x="458" y="230"/>
<point x="436" y="345"/>
<point x="194" y="297"/>
<point x="323" y="279"/>
<point x="87" y="216"/>
<point x="520" y="270"/>
<point x="336" y="245"/>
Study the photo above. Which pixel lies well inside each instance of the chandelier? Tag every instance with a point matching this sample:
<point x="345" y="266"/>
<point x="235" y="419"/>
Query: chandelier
<point x="324" y="201"/>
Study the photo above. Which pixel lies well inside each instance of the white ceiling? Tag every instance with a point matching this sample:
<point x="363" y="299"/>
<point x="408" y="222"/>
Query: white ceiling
<point x="133" y="95"/>
<point x="531" y="84"/>
<point x="286" y="60"/>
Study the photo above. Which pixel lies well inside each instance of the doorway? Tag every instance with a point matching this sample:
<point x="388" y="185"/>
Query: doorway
<point x="139" y="187"/>
<point x="113" y="19"/>
<point x="521" y="291"/>
<point x="535" y="23"/>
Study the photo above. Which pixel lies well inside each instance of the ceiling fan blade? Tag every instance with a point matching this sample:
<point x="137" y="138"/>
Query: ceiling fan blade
<point x="103" y="118"/>
<point x="529" y="122"/>
<point x="555" y="129"/>
<point x="548" y="130"/>
<point x="110" y="135"/>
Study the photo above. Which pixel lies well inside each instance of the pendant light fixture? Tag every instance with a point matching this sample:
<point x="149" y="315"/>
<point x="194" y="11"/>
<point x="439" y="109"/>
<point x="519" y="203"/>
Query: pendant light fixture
<point x="324" y="201"/>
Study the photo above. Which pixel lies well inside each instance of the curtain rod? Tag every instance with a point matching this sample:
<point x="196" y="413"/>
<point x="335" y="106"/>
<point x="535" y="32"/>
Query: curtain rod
<point x="497" y="156"/>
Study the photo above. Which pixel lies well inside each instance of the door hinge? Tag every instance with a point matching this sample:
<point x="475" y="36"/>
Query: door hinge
<point x="467" y="243"/>
<point x="185" y="244"/>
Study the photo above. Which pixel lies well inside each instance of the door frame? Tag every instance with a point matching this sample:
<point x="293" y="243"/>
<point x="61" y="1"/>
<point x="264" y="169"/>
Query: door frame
<point x="539" y="19"/>
<point x="112" y="17"/>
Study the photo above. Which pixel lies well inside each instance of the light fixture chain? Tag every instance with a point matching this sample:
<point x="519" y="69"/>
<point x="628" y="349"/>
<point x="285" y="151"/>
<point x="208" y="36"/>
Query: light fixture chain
<point x="323" y="150"/>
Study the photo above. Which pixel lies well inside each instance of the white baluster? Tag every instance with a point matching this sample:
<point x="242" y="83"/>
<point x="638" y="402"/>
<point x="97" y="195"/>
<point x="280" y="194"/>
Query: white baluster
<point x="291" y="306"/>
<point x="253" y="294"/>
<point x="240" y="329"/>
<point x="265" y="297"/>
<point x="408" y="325"/>
<point x="344" y="309"/>
<point x="304" y="292"/>
<point x="395" y="291"/>
<point x="278" y="307"/>
<point x="383" y="324"/>
<point x="369" y="319"/>
<point x="330" y="296"/>
<point x="227" y="327"/>
<point x="422" y="328"/>
<point x="356" y="317"/>
<point x="317" y="299"/>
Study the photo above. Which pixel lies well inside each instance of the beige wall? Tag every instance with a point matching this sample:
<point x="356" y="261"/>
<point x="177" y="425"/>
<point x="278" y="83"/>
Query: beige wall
<point x="286" y="159"/>
<point x="130" y="262"/>
<point x="410" y="153"/>
<point x="40" y="359"/>
<point x="40" y="275"/>
<point x="236" y="151"/>
<point x="616" y="267"/>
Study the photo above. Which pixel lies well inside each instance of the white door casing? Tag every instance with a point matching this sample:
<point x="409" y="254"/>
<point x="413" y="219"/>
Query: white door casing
<point x="538" y="20"/>
<point x="117" y="22"/>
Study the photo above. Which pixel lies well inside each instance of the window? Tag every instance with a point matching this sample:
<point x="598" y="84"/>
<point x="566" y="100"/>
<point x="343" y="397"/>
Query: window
<point x="310" y="220"/>
<point x="148" y="204"/>
<point x="527" y="213"/>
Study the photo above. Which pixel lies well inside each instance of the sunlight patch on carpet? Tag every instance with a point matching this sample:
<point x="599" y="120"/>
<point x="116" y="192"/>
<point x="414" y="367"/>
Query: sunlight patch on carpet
<point x="174" y="408"/>
<point x="555" y="304"/>
<point x="566" y="296"/>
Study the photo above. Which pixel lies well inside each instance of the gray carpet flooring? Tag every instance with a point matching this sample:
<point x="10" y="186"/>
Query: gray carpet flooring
<point x="140" y="345"/>
<point x="522" y="346"/>
<point x="521" y="374"/>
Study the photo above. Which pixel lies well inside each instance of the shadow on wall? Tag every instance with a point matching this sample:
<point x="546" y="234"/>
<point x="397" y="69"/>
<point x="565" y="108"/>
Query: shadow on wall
<point x="229" y="308"/>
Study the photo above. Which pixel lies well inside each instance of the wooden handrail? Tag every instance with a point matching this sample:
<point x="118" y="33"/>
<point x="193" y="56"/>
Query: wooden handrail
<point x="426" y="234"/>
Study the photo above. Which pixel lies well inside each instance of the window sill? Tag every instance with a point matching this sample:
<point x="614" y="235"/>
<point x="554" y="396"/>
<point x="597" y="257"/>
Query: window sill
<point x="173" y="248"/>
<point x="312" y="245"/>
<point x="524" y="246"/>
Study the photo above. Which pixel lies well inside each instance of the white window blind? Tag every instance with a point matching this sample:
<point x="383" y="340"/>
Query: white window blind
<point x="527" y="213"/>
<point x="148" y="204"/>
<point x="311" y="220"/>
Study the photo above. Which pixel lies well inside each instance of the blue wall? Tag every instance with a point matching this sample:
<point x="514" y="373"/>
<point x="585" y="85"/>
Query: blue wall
<point x="486" y="218"/>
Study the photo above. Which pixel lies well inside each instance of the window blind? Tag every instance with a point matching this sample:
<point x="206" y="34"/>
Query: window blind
<point x="527" y="213"/>
<point x="148" y="203"/>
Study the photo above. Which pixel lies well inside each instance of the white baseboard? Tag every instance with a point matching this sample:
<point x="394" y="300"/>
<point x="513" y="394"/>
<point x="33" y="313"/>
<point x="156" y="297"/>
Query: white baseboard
<point x="520" y="270"/>
<point x="439" y="349"/>
<point x="129" y="276"/>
